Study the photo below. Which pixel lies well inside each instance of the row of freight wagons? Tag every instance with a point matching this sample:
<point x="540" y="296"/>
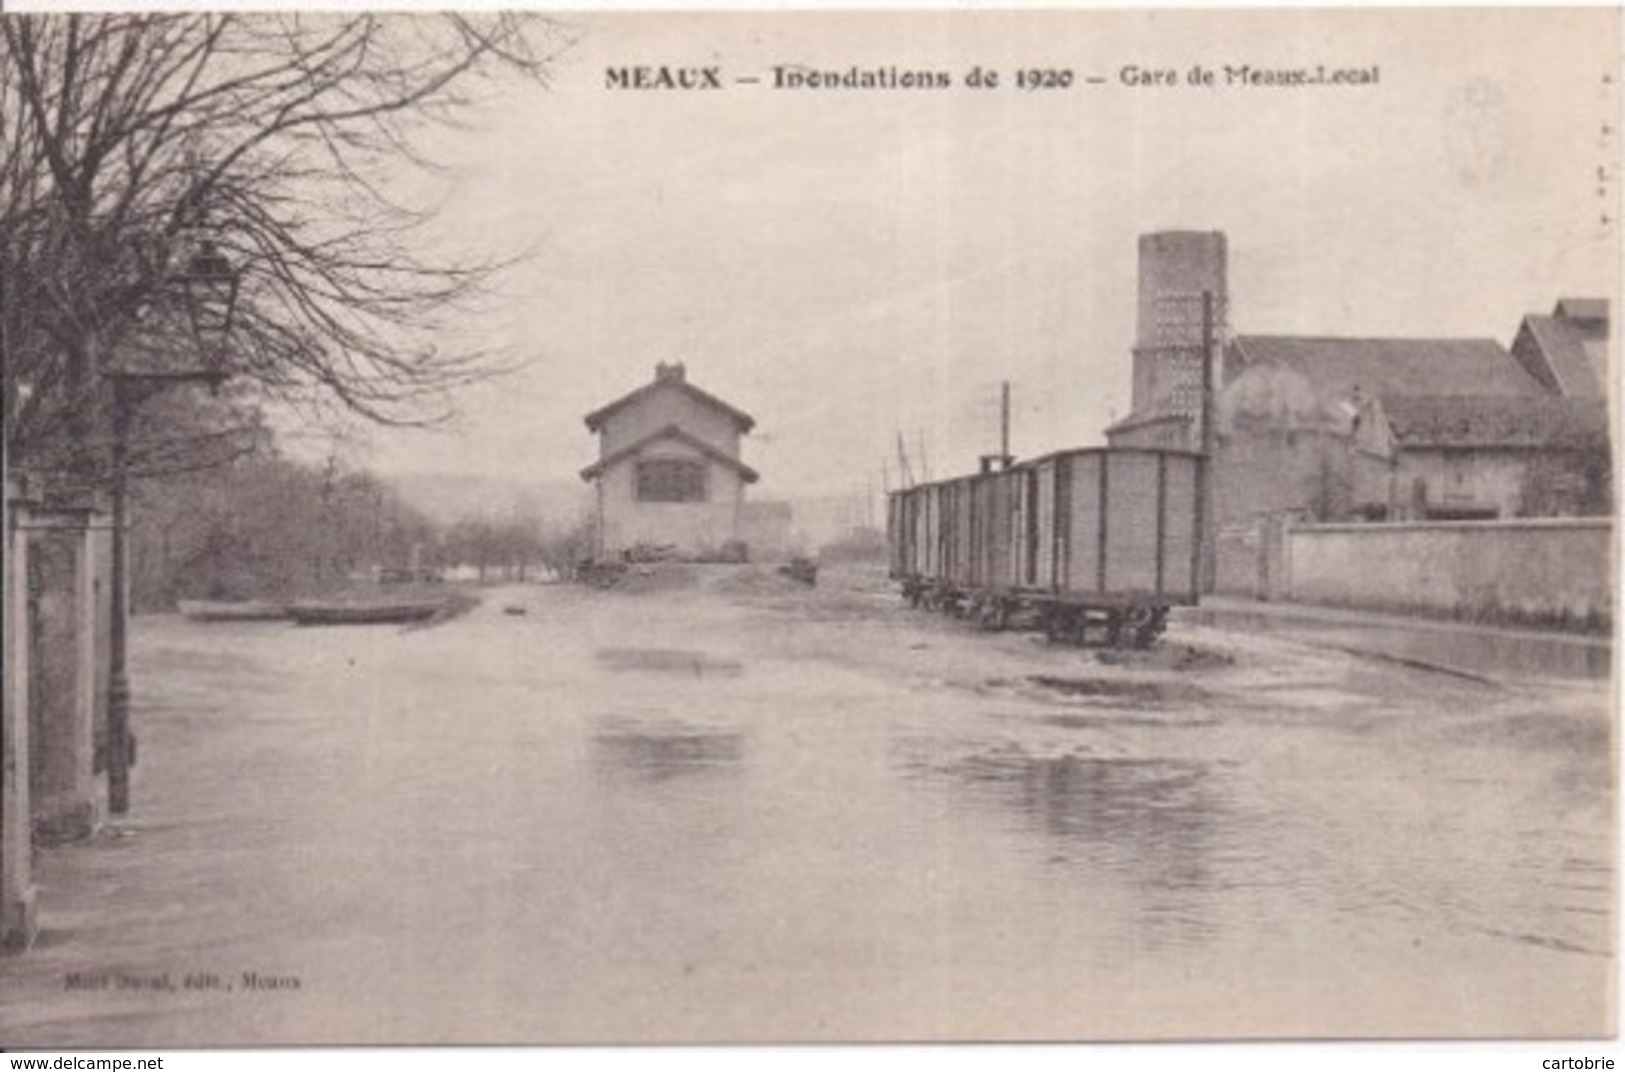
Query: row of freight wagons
<point x="1079" y="540"/>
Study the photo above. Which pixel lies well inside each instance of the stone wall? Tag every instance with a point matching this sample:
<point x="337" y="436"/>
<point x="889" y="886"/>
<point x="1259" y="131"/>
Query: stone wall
<point x="1554" y="571"/>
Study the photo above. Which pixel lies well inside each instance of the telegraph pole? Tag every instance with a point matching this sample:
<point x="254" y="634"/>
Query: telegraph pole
<point x="119" y="758"/>
<point x="1004" y="425"/>
<point x="1205" y="500"/>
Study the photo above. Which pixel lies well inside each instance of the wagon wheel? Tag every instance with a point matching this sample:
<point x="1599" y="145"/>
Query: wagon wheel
<point x="1143" y="624"/>
<point x="1071" y="626"/>
<point x="1159" y="625"/>
<point x="1115" y="621"/>
<point x="1001" y="614"/>
<point x="1080" y="628"/>
<point x="993" y="613"/>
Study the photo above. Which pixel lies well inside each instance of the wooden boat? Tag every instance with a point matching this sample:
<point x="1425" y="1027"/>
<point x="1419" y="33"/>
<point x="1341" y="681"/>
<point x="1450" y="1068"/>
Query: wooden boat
<point x="371" y="612"/>
<point x="240" y="610"/>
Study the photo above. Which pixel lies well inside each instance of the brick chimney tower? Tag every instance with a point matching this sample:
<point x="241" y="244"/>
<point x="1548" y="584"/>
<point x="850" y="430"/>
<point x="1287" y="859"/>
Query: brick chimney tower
<point x="1176" y="269"/>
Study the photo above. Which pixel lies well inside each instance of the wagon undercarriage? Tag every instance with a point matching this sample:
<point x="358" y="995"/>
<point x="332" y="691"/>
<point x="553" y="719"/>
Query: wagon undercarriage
<point x="1122" y="624"/>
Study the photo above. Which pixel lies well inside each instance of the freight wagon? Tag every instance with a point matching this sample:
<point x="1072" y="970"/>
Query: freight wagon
<point x="1095" y="543"/>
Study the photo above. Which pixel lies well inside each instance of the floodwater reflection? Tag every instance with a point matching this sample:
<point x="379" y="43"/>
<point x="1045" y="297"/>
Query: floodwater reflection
<point x="669" y="661"/>
<point x="663" y="751"/>
<point x="1143" y="824"/>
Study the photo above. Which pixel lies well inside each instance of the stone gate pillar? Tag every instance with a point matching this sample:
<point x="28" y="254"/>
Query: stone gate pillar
<point x="17" y="924"/>
<point x="62" y="612"/>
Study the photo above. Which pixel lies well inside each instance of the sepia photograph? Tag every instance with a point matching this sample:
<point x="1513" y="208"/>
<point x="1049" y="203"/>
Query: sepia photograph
<point x="553" y="528"/>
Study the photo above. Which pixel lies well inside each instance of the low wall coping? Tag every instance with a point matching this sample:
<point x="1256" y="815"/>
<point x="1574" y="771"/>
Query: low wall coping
<point x="1603" y="524"/>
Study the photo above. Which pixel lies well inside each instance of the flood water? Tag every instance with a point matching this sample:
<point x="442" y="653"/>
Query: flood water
<point x="622" y="818"/>
<point x="1495" y="653"/>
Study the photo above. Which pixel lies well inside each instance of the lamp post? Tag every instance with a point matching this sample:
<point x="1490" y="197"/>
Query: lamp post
<point x="207" y="290"/>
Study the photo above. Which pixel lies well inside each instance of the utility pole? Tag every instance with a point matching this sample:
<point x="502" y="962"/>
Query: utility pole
<point x="1004" y="425"/>
<point x="1204" y="504"/>
<point x="119" y="758"/>
<point x="325" y="554"/>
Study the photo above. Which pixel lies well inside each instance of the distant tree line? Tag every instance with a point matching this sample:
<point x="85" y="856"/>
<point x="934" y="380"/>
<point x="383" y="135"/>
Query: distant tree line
<point x="265" y="526"/>
<point x="519" y="548"/>
<point x="268" y="527"/>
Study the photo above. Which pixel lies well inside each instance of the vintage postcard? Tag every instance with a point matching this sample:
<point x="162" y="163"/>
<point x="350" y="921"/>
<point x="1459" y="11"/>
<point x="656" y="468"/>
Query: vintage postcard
<point x="807" y="527"/>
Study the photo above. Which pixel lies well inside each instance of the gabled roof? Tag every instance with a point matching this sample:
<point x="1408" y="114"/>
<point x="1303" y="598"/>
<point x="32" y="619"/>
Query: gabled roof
<point x="1389" y="366"/>
<point x="670" y="431"/>
<point x="1572" y="352"/>
<point x="1136" y="421"/>
<point x="1543" y="421"/>
<point x="674" y="382"/>
<point x="1593" y="309"/>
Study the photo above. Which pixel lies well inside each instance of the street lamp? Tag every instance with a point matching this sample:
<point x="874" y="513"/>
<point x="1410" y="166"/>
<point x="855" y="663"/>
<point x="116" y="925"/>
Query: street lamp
<point x="207" y="292"/>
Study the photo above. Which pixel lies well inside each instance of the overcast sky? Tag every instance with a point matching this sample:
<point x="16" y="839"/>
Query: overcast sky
<point x="851" y="265"/>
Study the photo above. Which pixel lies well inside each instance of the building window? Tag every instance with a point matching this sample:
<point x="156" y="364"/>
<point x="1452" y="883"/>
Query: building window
<point x="670" y="480"/>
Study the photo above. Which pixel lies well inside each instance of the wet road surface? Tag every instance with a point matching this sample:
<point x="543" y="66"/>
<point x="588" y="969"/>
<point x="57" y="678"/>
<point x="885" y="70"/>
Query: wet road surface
<point x="754" y="813"/>
<point x="1497" y="654"/>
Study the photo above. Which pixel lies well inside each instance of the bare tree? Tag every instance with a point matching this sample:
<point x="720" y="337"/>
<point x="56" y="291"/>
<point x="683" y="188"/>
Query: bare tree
<point x="125" y="137"/>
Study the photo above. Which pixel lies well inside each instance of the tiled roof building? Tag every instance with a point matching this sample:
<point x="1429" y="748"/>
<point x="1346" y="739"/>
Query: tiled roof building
<point x="1336" y="428"/>
<point x="1568" y="350"/>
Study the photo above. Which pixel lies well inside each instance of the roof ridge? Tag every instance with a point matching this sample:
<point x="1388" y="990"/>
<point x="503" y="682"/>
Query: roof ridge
<point x="745" y="421"/>
<point x="1450" y="396"/>
<point x="1434" y="339"/>
<point x="671" y="430"/>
